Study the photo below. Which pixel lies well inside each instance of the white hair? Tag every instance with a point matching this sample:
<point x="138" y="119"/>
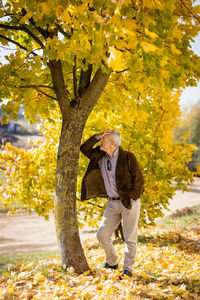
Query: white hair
<point x="115" y="137"/>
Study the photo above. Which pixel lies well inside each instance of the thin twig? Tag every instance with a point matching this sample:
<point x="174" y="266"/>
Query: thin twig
<point x="35" y="87"/>
<point x="122" y="71"/>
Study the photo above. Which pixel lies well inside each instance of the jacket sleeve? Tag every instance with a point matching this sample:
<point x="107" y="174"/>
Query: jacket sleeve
<point x="137" y="177"/>
<point x="86" y="147"/>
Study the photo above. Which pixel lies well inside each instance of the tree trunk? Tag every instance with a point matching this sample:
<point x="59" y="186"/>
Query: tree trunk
<point x="74" y="115"/>
<point x="66" y="223"/>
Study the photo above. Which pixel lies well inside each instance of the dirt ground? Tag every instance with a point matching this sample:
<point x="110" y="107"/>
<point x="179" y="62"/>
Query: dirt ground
<point x="31" y="233"/>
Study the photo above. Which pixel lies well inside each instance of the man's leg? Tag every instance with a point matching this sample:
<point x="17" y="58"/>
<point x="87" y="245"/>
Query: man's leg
<point x="110" y="221"/>
<point x="130" y="218"/>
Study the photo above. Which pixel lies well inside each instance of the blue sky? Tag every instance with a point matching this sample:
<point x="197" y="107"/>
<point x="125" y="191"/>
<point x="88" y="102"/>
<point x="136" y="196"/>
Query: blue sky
<point x="191" y="95"/>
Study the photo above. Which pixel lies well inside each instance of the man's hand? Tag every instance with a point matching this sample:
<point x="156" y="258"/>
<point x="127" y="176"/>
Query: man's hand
<point x="104" y="133"/>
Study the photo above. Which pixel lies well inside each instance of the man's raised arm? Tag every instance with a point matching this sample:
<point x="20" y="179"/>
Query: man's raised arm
<point x="86" y="148"/>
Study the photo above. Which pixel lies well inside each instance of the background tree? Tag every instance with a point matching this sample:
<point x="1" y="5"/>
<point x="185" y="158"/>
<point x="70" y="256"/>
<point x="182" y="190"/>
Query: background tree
<point x="189" y="130"/>
<point x="65" y="54"/>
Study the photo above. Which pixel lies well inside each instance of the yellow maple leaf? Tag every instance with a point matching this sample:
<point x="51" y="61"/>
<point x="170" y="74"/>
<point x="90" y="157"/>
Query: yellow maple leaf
<point x="147" y="3"/>
<point x="159" y="4"/>
<point x="160" y="162"/>
<point x="130" y="24"/>
<point x="175" y="50"/>
<point x="196" y="9"/>
<point x="115" y="60"/>
<point x="116" y="20"/>
<point x="151" y="34"/>
<point x="59" y="10"/>
<point x="148" y="47"/>
<point x="26" y="17"/>
<point x="177" y="33"/>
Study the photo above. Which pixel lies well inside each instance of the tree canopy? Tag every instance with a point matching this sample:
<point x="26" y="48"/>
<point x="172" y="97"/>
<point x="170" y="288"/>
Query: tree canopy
<point x="148" y="39"/>
<point x="147" y="46"/>
<point x="136" y="56"/>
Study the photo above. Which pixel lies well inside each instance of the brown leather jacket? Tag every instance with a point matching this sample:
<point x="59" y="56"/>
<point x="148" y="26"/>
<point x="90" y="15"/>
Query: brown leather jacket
<point x="129" y="177"/>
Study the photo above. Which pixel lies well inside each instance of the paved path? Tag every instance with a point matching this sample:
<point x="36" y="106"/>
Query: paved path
<point x="29" y="233"/>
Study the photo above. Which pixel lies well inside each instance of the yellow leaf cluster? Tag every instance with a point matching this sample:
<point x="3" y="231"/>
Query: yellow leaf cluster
<point x="43" y="8"/>
<point x="31" y="174"/>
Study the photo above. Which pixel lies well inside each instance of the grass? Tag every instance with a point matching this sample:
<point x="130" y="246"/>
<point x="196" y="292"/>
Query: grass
<point x="22" y="258"/>
<point x="182" y="217"/>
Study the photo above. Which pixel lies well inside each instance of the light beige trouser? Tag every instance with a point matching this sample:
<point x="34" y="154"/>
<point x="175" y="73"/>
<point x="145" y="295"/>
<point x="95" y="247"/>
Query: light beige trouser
<point x="114" y="213"/>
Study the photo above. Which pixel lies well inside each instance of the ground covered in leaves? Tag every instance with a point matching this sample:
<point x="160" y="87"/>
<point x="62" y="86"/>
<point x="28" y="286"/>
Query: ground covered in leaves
<point x="167" y="267"/>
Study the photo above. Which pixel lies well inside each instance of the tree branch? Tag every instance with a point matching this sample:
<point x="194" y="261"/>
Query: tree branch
<point x="43" y="32"/>
<point x="93" y="92"/>
<point x="11" y="41"/>
<point x="84" y="80"/>
<point x="22" y="28"/>
<point x="33" y="36"/>
<point x="59" y="88"/>
<point x="122" y="71"/>
<point x="12" y="27"/>
<point x="191" y="13"/>
<point x="67" y="35"/>
<point x="36" y="87"/>
<point x="46" y="94"/>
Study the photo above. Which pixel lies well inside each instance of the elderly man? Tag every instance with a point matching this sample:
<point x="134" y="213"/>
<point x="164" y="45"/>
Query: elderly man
<point x="114" y="173"/>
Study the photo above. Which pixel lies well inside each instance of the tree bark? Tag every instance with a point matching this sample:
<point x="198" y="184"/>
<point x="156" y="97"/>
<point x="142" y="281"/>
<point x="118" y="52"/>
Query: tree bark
<point x="66" y="223"/>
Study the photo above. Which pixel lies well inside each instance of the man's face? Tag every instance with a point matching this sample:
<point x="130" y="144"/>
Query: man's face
<point x="105" y="143"/>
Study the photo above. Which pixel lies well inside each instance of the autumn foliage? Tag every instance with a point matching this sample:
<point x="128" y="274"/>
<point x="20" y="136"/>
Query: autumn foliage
<point x="135" y="58"/>
<point x="166" y="267"/>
